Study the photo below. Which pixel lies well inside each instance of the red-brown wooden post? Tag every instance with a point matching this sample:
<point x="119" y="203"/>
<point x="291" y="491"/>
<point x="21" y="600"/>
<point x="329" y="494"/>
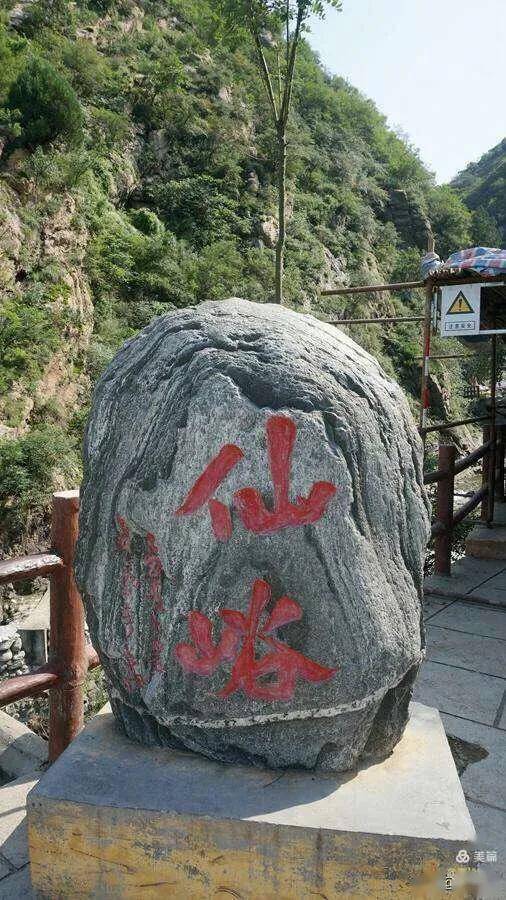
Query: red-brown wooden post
<point x="445" y="493"/>
<point x="485" y="466"/>
<point x="67" y="639"/>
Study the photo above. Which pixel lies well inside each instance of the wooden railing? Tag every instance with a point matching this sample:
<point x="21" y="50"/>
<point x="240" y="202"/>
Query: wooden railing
<point x="70" y="657"/>
<point x="491" y="452"/>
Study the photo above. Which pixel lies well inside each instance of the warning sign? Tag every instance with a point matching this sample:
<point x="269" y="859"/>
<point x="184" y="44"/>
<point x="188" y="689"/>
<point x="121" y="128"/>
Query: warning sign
<point x="460" y="306"/>
<point x="460" y="310"/>
<point x="472" y="308"/>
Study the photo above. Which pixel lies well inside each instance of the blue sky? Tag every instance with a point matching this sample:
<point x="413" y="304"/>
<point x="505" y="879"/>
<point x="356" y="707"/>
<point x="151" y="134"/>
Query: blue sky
<point x="435" y="68"/>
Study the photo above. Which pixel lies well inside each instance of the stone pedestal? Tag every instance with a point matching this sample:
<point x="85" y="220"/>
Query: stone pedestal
<point x="116" y="819"/>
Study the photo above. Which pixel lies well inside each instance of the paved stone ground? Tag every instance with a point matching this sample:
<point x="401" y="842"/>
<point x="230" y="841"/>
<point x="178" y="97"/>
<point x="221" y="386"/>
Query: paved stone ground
<point x="464" y="676"/>
<point x="483" y="580"/>
<point x="14" y="868"/>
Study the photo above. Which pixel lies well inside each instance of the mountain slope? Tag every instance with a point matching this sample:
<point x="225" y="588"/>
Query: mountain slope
<point x="483" y="187"/>
<point x="136" y="176"/>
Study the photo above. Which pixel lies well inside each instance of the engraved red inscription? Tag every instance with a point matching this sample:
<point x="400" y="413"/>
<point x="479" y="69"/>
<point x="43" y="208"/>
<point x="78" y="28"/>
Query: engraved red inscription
<point x="256" y="517"/>
<point x="205" y="486"/>
<point x="281" y="434"/>
<point x="238" y="644"/>
<point x="154" y="572"/>
<point x="129" y="585"/>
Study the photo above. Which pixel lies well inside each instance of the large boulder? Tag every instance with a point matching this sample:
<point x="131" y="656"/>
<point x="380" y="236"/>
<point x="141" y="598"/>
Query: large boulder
<point x="252" y="531"/>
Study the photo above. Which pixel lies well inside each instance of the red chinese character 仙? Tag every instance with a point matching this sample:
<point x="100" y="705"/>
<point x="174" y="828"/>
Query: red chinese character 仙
<point x="255" y="516"/>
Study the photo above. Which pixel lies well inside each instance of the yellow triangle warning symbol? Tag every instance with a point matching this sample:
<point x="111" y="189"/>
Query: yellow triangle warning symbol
<point x="460" y="305"/>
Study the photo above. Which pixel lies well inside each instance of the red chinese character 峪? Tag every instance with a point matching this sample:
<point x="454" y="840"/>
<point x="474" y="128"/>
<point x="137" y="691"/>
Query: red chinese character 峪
<point x="237" y="644"/>
<point x="256" y="517"/>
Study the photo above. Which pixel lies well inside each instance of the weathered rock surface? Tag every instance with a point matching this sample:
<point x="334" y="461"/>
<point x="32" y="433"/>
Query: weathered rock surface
<point x="251" y="539"/>
<point x="12" y="656"/>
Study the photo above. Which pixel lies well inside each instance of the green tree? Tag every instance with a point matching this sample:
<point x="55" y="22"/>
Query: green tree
<point x="277" y="70"/>
<point x="46" y="105"/>
<point x="451" y="220"/>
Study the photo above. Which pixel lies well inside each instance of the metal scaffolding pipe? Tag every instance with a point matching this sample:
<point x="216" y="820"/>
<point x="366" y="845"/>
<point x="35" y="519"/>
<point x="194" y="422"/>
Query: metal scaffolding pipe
<point x="373" y="288"/>
<point x="392" y="320"/>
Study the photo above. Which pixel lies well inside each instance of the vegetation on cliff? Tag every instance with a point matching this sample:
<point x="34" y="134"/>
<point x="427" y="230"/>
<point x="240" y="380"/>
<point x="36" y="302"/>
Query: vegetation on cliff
<point x="483" y="186"/>
<point x="137" y="176"/>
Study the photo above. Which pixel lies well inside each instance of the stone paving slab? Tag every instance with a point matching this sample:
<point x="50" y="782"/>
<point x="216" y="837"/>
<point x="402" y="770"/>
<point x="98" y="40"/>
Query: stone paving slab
<point x="468" y="651"/>
<point x="455" y="631"/>
<point x="470" y="577"/>
<point x="469" y="617"/>
<point x="434" y="605"/>
<point x="459" y="692"/>
<point x="490" y="592"/>
<point x="490" y="827"/>
<point x="17" y="886"/>
<point x="487" y="543"/>
<point x="21" y="751"/>
<point x="13" y="833"/>
<point x="483" y="781"/>
<point x="14" y="868"/>
<point x="5" y="868"/>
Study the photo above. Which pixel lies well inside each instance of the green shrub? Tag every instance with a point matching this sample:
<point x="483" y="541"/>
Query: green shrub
<point x="30" y="468"/>
<point x="153" y="267"/>
<point x="196" y="209"/>
<point x="27" y="337"/>
<point x="46" y="104"/>
<point x="146" y="221"/>
<point x="55" y="14"/>
<point x="451" y="221"/>
<point x="12" y="58"/>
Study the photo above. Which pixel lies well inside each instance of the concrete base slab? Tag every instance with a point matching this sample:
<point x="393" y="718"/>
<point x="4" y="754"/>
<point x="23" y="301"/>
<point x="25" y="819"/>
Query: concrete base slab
<point x="112" y="818"/>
